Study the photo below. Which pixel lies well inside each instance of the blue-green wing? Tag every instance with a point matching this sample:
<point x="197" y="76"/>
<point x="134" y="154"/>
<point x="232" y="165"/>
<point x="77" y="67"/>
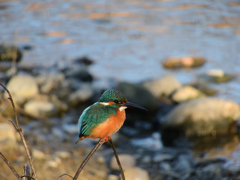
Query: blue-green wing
<point x="93" y="116"/>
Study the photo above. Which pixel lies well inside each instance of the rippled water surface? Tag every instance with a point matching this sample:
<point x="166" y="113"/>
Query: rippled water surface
<point x="127" y="39"/>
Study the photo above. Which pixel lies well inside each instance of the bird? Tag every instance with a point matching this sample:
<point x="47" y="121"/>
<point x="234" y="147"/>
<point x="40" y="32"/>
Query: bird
<point x="105" y="117"/>
<point x="101" y="120"/>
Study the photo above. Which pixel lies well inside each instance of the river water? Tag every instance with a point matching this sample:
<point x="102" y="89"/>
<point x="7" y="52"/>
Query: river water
<point x="128" y="39"/>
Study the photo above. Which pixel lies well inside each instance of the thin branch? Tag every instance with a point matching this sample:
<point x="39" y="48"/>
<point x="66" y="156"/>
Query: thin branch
<point x="11" y="100"/>
<point x="64" y="175"/>
<point x="19" y="130"/>
<point x="10" y="166"/>
<point x="116" y="156"/>
<point x="98" y="145"/>
<point x="14" y="125"/>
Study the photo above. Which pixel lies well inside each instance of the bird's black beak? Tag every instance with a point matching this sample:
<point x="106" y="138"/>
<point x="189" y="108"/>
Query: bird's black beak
<point x="132" y="105"/>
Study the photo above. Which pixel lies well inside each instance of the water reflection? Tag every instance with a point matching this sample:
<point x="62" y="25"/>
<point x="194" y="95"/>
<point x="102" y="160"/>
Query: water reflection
<point x="212" y="147"/>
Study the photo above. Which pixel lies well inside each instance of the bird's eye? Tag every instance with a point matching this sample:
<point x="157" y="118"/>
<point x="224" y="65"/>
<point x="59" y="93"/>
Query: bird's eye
<point x="116" y="101"/>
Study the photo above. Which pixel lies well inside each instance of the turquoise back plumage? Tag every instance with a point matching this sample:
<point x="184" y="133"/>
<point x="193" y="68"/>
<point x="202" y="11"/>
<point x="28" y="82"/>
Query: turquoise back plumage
<point x="92" y="116"/>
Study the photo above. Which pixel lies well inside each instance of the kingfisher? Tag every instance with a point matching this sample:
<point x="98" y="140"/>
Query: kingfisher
<point x="105" y="117"/>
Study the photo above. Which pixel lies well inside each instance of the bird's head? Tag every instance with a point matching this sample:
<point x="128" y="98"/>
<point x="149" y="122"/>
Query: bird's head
<point x="117" y="100"/>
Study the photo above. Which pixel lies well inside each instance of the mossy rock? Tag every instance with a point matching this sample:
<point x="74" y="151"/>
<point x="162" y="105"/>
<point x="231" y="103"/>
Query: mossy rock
<point x="222" y="79"/>
<point x="10" y="53"/>
<point x="217" y="76"/>
<point x="183" y="62"/>
<point x="203" y="116"/>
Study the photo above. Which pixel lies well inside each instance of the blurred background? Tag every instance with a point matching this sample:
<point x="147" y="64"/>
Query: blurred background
<point x="179" y="59"/>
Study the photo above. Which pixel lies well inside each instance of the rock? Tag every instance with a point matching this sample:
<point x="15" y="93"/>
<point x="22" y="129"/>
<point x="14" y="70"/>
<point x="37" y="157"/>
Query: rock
<point x="126" y="160"/>
<point x="146" y="160"/>
<point x="63" y="154"/>
<point x="202" y="116"/>
<point x="101" y="160"/>
<point x="67" y="86"/>
<point x="136" y="173"/>
<point x="78" y="72"/>
<point x="165" y="166"/>
<point x="217" y="76"/>
<point x="10" y="53"/>
<point x="36" y="154"/>
<point x="54" y="163"/>
<point x="84" y="61"/>
<point x="112" y="177"/>
<point x="61" y="106"/>
<point x="7" y="132"/>
<point x="204" y="88"/>
<point x="215" y="72"/>
<point x="27" y="47"/>
<point x="58" y="133"/>
<point x="216" y="149"/>
<point x="7" y="137"/>
<point x="99" y="174"/>
<point x="164" y="86"/>
<point x="184" y="62"/>
<point x="41" y="108"/>
<point x="4" y="66"/>
<point x="48" y="82"/>
<point x="162" y="157"/>
<point x="153" y="143"/>
<point x="22" y="87"/>
<point x="186" y="93"/>
<point x="232" y="164"/>
<point x="71" y="128"/>
<point x="213" y="170"/>
<point x="80" y="96"/>
<point x="183" y="165"/>
<point x="6" y="109"/>
<point x="134" y="91"/>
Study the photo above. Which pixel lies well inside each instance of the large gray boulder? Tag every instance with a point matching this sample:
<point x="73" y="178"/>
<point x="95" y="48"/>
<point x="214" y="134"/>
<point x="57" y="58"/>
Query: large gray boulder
<point x="202" y="117"/>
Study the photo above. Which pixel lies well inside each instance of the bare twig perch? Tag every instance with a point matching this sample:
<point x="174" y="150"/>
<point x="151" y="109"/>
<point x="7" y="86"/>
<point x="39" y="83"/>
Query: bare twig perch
<point x="98" y="145"/>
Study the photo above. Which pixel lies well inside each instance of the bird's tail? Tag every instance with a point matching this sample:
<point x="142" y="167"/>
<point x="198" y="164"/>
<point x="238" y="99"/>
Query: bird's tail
<point x="80" y="138"/>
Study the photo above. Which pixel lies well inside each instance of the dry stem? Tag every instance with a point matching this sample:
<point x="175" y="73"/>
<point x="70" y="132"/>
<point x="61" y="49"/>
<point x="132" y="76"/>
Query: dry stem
<point x="19" y="130"/>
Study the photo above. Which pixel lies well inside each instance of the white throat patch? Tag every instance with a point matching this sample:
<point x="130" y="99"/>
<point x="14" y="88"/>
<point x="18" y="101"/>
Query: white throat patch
<point x="122" y="108"/>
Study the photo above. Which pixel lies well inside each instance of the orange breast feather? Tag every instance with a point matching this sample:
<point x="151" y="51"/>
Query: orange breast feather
<point x="110" y="126"/>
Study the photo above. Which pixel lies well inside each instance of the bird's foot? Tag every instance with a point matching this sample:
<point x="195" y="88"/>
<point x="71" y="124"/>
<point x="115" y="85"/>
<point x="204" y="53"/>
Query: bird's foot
<point x="107" y="138"/>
